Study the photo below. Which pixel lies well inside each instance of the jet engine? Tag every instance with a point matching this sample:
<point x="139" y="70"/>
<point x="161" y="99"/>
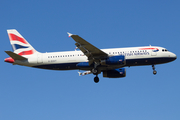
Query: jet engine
<point x="116" y="73"/>
<point x="114" y="60"/>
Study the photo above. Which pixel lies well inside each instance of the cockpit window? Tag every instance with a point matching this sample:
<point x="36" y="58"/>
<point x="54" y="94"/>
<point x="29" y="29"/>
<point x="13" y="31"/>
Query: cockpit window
<point x="164" y="50"/>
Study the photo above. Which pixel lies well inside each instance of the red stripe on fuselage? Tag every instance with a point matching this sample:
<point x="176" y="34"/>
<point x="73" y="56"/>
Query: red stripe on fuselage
<point x="26" y="52"/>
<point x="148" y="48"/>
<point x="14" y="37"/>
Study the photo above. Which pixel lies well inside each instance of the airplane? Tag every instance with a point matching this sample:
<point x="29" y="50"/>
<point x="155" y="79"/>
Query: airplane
<point x="92" y="60"/>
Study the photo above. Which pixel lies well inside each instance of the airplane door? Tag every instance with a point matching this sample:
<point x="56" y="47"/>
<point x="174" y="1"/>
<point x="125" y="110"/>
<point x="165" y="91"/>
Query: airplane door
<point x="40" y="58"/>
<point x="153" y="53"/>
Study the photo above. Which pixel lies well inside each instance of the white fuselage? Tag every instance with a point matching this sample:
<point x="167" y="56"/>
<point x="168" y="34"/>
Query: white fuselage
<point x="134" y="56"/>
<point x="92" y="59"/>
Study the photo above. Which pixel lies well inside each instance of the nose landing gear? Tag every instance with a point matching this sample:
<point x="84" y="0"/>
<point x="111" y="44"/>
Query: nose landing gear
<point x="154" y="71"/>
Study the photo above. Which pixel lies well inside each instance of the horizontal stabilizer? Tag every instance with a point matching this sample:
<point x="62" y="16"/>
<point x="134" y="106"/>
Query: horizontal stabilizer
<point x="15" y="56"/>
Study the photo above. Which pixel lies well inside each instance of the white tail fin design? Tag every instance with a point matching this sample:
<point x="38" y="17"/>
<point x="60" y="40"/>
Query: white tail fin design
<point x="19" y="44"/>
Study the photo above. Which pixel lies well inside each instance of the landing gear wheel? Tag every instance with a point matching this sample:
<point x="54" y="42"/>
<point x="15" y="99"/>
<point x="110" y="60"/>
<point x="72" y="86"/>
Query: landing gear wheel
<point x="154" y="72"/>
<point x="94" y="71"/>
<point x="96" y="79"/>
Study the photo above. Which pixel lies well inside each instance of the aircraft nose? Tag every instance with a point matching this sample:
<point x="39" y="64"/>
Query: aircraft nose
<point x="173" y="56"/>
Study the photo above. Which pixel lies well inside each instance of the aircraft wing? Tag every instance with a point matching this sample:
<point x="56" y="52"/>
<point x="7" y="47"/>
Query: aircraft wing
<point x="92" y="52"/>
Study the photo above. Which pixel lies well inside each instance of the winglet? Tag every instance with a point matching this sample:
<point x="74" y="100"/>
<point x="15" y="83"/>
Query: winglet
<point x="69" y="34"/>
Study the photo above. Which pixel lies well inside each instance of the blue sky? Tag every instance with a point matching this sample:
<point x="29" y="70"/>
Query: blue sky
<point x="29" y="93"/>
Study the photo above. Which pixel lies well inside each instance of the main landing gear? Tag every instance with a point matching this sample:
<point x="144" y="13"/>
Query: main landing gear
<point x="154" y="71"/>
<point x="95" y="71"/>
<point x="96" y="79"/>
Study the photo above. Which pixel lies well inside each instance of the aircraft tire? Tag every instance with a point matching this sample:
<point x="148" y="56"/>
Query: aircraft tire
<point x="154" y="72"/>
<point x="96" y="79"/>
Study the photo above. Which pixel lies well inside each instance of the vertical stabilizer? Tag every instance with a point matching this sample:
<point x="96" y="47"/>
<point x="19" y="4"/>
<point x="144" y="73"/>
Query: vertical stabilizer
<point x="19" y="44"/>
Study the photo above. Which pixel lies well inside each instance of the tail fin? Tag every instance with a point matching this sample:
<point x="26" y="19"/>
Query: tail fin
<point x="19" y="44"/>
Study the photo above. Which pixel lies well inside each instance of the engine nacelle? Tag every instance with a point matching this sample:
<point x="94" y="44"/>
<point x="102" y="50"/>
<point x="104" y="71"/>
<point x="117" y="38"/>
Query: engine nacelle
<point x="114" y="60"/>
<point x="116" y="73"/>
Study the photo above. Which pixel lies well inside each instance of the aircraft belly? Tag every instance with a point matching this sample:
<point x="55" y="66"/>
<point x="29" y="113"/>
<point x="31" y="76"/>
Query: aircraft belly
<point x="58" y="66"/>
<point x="148" y="61"/>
